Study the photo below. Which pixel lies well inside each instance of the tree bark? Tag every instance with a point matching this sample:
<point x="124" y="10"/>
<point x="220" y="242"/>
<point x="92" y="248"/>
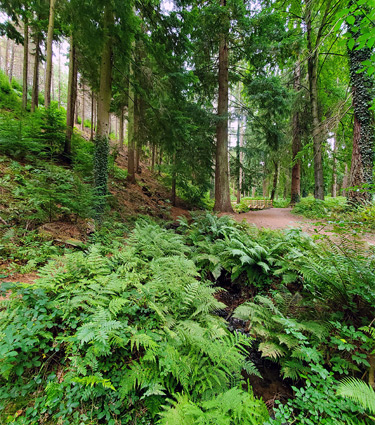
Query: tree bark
<point x="11" y="64"/>
<point x="92" y="115"/>
<point x="35" y="92"/>
<point x="312" y="67"/>
<point x="121" y="130"/>
<point x="361" y="173"/>
<point x="51" y="24"/>
<point x="222" y="192"/>
<point x="238" y="162"/>
<point x="25" y="64"/>
<point x="72" y="95"/>
<point x="6" y="65"/>
<point x="275" y="176"/>
<point x="59" y="82"/>
<point x="83" y="108"/>
<point x="296" y="144"/>
<point x="131" y="124"/>
<point x="334" y="167"/>
<point x="153" y="157"/>
<point x="104" y="103"/>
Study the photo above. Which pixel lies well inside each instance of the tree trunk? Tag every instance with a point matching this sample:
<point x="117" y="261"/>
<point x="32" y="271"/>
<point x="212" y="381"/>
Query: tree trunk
<point x="222" y="192"/>
<point x="121" y="141"/>
<point x="275" y="176"/>
<point x="174" y="172"/>
<point x="238" y="162"/>
<point x="334" y="167"/>
<point x="153" y="157"/>
<point x="361" y="173"/>
<point x="296" y="144"/>
<point x="345" y="181"/>
<point x="131" y="124"/>
<point x="83" y="108"/>
<point x="104" y="103"/>
<point x="35" y="93"/>
<point x="72" y="95"/>
<point x="51" y="24"/>
<point x="312" y="67"/>
<point x="25" y="64"/>
<point x="59" y="82"/>
<point x="11" y="64"/>
<point x="6" y="65"/>
<point x="92" y="115"/>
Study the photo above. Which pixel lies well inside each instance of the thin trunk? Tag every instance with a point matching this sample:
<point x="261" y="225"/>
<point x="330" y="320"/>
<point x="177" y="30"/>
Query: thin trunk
<point x="83" y="108"/>
<point x="72" y="95"/>
<point x="35" y="93"/>
<point x="265" y="187"/>
<point x="104" y="103"/>
<point x="11" y="64"/>
<point x="131" y="125"/>
<point x="59" y="86"/>
<point x="25" y="64"/>
<point x="153" y="157"/>
<point x="92" y="116"/>
<point x="174" y="175"/>
<point x="296" y="144"/>
<point x="6" y="65"/>
<point x="334" y="168"/>
<point x="121" y="138"/>
<point x="238" y="162"/>
<point x="312" y="67"/>
<point x="222" y="192"/>
<point x="51" y="24"/>
<point x="136" y="134"/>
<point x="345" y="181"/>
<point x="275" y="176"/>
<point x="253" y="191"/>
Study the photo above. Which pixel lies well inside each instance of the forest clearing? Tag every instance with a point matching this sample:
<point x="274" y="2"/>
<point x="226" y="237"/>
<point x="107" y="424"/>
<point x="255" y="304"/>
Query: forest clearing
<point x="187" y="218"/>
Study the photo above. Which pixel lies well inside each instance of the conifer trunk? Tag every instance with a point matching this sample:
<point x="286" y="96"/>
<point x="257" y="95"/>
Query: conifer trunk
<point x="121" y="138"/>
<point x="296" y="144"/>
<point x="361" y="173"/>
<point x="11" y="64"/>
<point x="131" y="139"/>
<point x="334" y="168"/>
<point x="312" y="67"/>
<point x="92" y="116"/>
<point x="72" y="95"/>
<point x="83" y="108"/>
<point x="25" y="64"/>
<point x="6" y="65"/>
<point x="222" y="192"/>
<point x="238" y="162"/>
<point x="104" y="102"/>
<point x="275" y="176"/>
<point x="51" y="25"/>
<point x="35" y="91"/>
<point x="59" y="82"/>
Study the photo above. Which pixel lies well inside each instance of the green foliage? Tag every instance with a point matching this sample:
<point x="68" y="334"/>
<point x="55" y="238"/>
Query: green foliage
<point x="358" y="391"/>
<point x="233" y="407"/>
<point x="316" y="208"/>
<point x="9" y="97"/>
<point x="316" y="403"/>
<point x="123" y="333"/>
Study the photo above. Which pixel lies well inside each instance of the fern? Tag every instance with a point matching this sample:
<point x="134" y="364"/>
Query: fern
<point x="358" y="391"/>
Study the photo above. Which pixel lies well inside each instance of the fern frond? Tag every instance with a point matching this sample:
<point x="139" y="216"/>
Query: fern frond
<point x="358" y="391"/>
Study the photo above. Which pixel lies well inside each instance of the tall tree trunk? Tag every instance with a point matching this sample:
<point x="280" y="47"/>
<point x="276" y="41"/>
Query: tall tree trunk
<point x="153" y="157"/>
<point x="296" y="144"/>
<point x="72" y="95"/>
<point x="92" y="115"/>
<point x="35" y="93"/>
<point x="121" y="138"/>
<point x="25" y="64"/>
<point x="312" y="67"/>
<point x="131" y="124"/>
<point x="83" y="108"/>
<point x="59" y="83"/>
<point x="334" y="167"/>
<point x="174" y="176"/>
<point x="104" y="103"/>
<point x="6" y="64"/>
<point x="275" y="176"/>
<point x="222" y="192"/>
<point x="51" y="25"/>
<point x="238" y="162"/>
<point x="11" y="64"/>
<point x="361" y="173"/>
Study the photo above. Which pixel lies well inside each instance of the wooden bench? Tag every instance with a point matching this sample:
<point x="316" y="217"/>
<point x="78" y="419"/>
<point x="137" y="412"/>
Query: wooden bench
<point x="258" y="204"/>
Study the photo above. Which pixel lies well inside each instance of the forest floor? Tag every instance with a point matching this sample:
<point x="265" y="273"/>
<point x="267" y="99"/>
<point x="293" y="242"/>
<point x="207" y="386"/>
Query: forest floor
<point x="282" y="218"/>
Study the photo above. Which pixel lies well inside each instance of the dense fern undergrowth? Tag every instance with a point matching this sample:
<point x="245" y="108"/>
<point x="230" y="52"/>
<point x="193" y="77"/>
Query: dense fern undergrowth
<point x="131" y="333"/>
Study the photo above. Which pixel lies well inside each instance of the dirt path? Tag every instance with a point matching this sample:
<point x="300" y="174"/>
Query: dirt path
<point x="282" y="218"/>
<point x="273" y="218"/>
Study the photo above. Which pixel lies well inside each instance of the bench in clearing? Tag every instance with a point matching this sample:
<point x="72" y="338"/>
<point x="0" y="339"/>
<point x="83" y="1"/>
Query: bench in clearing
<point x="258" y="204"/>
